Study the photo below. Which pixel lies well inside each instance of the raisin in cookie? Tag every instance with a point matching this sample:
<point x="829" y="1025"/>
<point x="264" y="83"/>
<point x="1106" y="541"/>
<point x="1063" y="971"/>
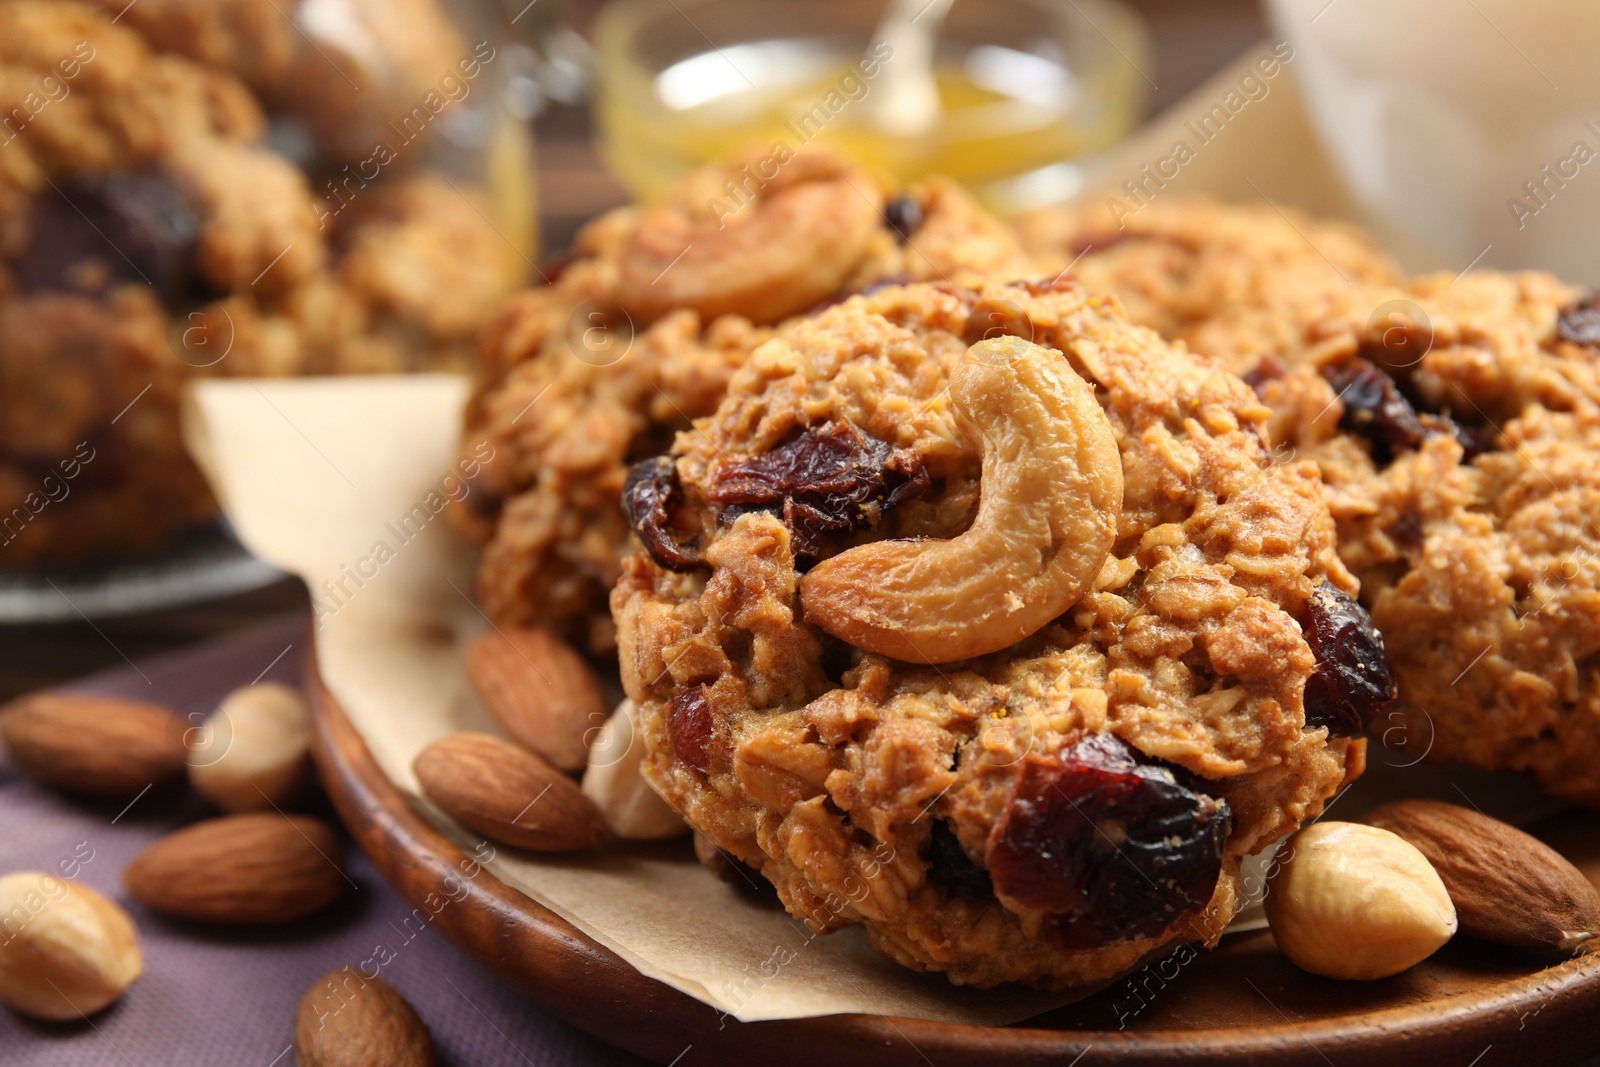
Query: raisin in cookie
<point x="1006" y="648"/>
<point x="639" y="333"/>
<point x="1233" y="281"/>
<point x="1462" y="459"/>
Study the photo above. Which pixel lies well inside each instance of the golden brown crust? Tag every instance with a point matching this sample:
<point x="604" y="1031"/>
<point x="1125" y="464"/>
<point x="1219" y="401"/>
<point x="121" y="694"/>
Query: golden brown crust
<point x="828" y="768"/>
<point x="1235" y="281"/>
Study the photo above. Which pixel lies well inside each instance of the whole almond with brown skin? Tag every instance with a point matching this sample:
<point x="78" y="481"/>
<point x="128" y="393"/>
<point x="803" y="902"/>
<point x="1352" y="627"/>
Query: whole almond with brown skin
<point x="96" y="745"/>
<point x="349" y="1020"/>
<point x="541" y="692"/>
<point x="1507" y="886"/>
<point x="241" y="870"/>
<point x="507" y="794"/>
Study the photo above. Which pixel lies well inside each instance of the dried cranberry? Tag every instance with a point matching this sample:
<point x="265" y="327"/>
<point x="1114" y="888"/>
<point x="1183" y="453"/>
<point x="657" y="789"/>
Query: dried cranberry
<point x="689" y="726"/>
<point x="1115" y="847"/>
<point x="1353" y="682"/>
<point x="1375" y="408"/>
<point x="1579" y="323"/>
<point x="829" y="480"/>
<point x="649" y="497"/>
<point x="129" y="227"/>
<point x="904" y="216"/>
<point x="950" y="866"/>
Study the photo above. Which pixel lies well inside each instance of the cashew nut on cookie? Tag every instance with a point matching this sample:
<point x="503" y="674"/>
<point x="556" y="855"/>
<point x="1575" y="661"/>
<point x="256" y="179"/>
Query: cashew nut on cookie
<point x="791" y="247"/>
<point x="1051" y="498"/>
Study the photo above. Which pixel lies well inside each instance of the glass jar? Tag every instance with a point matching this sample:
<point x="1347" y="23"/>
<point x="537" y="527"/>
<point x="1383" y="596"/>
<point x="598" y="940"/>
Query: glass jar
<point x="1025" y="87"/>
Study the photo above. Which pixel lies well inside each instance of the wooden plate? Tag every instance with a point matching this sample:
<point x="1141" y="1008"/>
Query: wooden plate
<point x="1471" y="1004"/>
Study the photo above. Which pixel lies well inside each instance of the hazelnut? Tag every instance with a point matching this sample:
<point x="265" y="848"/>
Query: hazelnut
<point x="254" y="751"/>
<point x="1356" y="902"/>
<point x="615" y="781"/>
<point x="65" y="950"/>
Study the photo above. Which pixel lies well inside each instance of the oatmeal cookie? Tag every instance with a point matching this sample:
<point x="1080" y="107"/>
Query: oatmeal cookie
<point x="345" y="69"/>
<point x="1462" y="459"/>
<point x="1077" y="792"/>
<point x="1234" y="281"/>
<point x="147" y="237"/>
<point x="639" y="333"/>
<point x="131" y="194"/>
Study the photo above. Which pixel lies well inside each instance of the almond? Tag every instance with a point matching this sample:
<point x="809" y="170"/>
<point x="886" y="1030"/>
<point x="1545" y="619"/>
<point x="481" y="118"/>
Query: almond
<point x="541" y="692"/>
<point x="507" y="794"/>
<point x="1507" y="886"/>
<point x="349" y="1020"/>
<point x="96" y="745"/>
<point x="241" y="869"/>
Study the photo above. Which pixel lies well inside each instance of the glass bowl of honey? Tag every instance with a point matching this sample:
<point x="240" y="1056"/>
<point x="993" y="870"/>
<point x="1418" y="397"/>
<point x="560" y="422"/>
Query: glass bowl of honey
<point x="1006" y="96"/>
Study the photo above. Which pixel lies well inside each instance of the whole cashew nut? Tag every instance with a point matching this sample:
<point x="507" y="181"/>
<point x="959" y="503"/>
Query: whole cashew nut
<point x="1052" y="495"/>
<point x="795" y="245"/>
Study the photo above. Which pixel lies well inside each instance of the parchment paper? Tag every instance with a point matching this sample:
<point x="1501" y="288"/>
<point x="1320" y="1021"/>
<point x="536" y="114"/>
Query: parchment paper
<point x="343" y="482"/>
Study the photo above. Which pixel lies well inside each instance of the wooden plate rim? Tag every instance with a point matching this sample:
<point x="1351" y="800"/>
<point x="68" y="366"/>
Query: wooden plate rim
<point x="548" y="959"/>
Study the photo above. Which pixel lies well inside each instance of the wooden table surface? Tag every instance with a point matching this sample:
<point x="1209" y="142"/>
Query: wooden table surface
<point x="1191" y="38"/>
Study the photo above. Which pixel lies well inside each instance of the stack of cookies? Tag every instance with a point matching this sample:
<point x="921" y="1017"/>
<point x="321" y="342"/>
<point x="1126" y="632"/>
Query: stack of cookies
<point x="950" y="600"/>
<point x="194" y="188"/>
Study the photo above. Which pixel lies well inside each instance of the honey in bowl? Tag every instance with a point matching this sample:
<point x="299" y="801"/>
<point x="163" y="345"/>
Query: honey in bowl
<point x="1023" y="88"/>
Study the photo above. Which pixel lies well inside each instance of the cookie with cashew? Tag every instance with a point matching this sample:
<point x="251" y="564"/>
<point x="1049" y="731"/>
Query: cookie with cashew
<point x="639" y="333"/>
<point x="981" y="618"/>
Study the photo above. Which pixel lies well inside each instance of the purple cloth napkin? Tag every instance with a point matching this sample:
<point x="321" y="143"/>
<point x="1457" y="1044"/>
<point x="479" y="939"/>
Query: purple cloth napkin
<point x="211" y="997"/>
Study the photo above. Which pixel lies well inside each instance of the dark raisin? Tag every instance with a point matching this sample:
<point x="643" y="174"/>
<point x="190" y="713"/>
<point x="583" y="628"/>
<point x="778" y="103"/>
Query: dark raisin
<point x="829" y="480"/>
<point x="1474" y="440"/>
<point x="1375" y="408"/>
<point x="649" y="497"/>
<point x="904" y="216"/>
<point x="1579" y="323"/>
<point x="1407" y="530"/>
<point x="950" y="866"/>
<point x="689" y="726"/>
<point x="1270" y="369"/>
<point x="128" y="227"/>
<point x="1352" y="683"/>
<point x="1113" y="845"/>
